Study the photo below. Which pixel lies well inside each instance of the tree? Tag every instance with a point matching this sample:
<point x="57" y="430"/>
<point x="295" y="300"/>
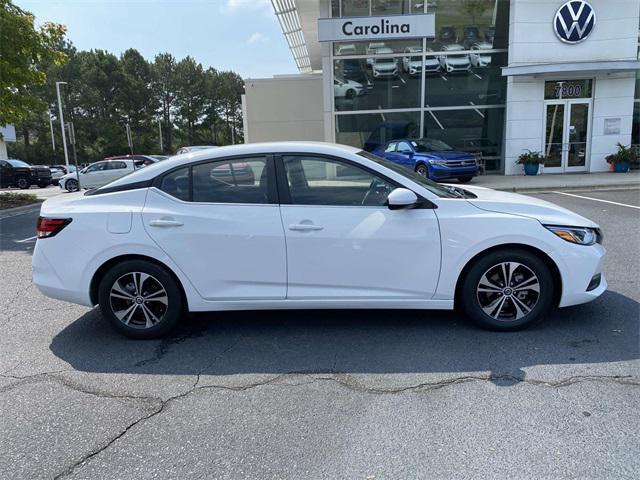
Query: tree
<point x="23" y="52"/>
<point x="190" y="95"/>
<point x="164" y="86"/>
<point x="475" y="8"/>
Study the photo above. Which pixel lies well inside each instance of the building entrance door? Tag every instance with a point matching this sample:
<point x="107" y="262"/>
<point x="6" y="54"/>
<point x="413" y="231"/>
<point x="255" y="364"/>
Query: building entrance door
<point x="567" y="129"/>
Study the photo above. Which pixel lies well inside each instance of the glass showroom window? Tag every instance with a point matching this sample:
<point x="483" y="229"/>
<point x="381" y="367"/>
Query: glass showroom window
<point x="473" y="130"/>
<point x="369" y="131"/>
<point x="635" y="134"/>
<point x="376" y="7"/>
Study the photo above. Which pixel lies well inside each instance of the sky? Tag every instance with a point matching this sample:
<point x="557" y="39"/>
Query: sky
<point x="239" y="35"/>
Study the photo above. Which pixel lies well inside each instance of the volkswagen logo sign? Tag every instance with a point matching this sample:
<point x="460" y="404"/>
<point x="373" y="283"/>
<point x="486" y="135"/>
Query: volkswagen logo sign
<point x="574" y="21"/>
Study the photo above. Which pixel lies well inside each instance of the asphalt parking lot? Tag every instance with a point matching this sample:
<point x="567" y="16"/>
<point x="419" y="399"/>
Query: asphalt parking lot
<point x="325" y="394"/>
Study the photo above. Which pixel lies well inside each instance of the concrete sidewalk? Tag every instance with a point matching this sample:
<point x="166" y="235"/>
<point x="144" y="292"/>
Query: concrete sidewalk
<point x="570" y="181"/>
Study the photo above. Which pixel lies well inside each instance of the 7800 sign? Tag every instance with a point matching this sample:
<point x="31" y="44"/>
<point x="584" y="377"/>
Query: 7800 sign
<point x="568" y="89"/>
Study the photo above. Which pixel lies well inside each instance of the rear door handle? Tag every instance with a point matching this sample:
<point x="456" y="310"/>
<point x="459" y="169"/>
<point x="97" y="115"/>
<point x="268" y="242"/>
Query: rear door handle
<point x="165" y="223"/>
<point x="304" y="227"/>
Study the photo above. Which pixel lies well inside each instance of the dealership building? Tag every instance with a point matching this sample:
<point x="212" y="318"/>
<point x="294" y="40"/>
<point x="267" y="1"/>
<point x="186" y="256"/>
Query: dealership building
<point x="491" y="77"/>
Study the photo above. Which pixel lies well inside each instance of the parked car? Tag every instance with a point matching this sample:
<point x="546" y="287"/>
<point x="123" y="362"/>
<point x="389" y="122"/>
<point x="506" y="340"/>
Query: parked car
<point x="479" y="59"/>
<point x="98" y="174"/>
<point x="140" y="160"/>
<point x="354" y="69"/>
<point x="386" y="131"/>
<point x="470" y="35"/>
<point x="16" y="173"/>
<point x="431" y="64"/>
<point x="168" y="239"/>
<point x="430" y="158"/>
<point x="450" y="62"/>
<point x="372" y="49"/>
<point x="56" y="173"/>
<point x="490" y="35"/>
<point x="347" y="88"/>
<point x="346" y="49"/>
<point x="194" y="148"/>
<point x="385" y="67"/>
<point x="412" y="63"/>
<point x="448" y="34"/>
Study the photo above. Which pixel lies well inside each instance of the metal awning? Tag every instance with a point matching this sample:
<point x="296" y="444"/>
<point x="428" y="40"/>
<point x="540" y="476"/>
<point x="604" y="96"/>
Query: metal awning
<point x="575" y="68"/>
<point x="287" y="13"/>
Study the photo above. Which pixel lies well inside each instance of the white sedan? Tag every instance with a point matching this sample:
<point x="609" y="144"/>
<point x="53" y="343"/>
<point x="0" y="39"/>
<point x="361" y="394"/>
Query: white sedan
<point x="318" y="226"/>
<point x="347" y="88"/>
<point x="97" y="174"/>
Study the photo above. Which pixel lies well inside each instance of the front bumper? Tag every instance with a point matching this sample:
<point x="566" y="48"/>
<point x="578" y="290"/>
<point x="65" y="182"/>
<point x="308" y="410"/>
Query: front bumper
<point x="578" y="265"/>
<point x="442" y="172"/>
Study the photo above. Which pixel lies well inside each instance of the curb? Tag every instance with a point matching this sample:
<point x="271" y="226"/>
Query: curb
<point x="568" y="188"/>
<point x="12" y="212"/>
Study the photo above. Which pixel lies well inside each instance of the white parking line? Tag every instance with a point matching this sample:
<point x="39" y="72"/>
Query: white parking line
<point x="402" y="79"/>
<point x="478" y="76"/>
<point x="444" y="78"/>
<point x="25" y="240"/>
<point x="597" y="200"/>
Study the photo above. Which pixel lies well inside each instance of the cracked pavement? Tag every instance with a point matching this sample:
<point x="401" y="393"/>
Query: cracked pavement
<point x="324" y="394"/>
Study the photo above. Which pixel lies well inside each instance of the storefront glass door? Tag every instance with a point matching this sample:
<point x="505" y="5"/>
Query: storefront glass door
<point x="566" y="136"/>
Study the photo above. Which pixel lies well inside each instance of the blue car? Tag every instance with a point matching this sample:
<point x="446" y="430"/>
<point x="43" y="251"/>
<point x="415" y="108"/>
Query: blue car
<point x="431" y="158"/>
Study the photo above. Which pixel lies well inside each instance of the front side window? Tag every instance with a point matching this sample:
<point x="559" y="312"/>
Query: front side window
<point x="319" y="181"/>
<point x="231" y="181"/>
<point x="96" y="167"/>
<point x="404" y="147"/>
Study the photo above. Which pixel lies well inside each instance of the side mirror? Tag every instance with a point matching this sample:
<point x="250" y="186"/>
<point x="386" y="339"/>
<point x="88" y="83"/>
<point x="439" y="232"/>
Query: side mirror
<point x="401" y="198"/>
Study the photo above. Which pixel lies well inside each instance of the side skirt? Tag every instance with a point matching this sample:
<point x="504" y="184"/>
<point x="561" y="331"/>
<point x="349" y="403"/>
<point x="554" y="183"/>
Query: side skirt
<point x="210" y="306"/>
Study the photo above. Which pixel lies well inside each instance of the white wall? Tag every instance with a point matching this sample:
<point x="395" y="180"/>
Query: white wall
<point x="284" y="108"/>
<point x="533" y="41"/>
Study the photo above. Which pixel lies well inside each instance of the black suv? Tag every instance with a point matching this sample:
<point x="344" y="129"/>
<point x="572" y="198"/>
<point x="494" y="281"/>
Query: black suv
<point x="16" y="173"/>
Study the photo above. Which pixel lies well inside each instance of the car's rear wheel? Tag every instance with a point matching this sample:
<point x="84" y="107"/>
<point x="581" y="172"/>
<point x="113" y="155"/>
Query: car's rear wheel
<point x="423" y="170"/>
<point x="22" y="183"/>
<point x="507" y="290"/>
<point x="140" y="299"/>
<point x="464" y="179"/>
<point x="71" y="185"/>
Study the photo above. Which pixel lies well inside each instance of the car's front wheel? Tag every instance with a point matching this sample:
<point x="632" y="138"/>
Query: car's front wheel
<point x="423" y="170"/>
<point x="140" y="299"/>
<point x="22" y="183"/>
<point x="350" y="94"/>
<point x="464" y="179"/>
<point x="507" y="290"/>
<point x="71" y="185"/>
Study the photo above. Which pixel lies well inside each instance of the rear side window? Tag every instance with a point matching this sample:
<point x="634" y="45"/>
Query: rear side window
<point x="116" y="165"/>
<point x="223" y="181"/>
<point x="231" y="181"/>
<point x="176" y="184"/>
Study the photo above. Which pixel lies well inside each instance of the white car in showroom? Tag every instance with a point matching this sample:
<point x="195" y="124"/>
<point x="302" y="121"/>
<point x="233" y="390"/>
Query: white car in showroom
<point x="450" y="62"/>
<point x="347" y="88"/>
<point x="97" y="174"/>
<point x="477" y="57"/>
<point x="319" y="226"/>
<point x="385" y="67"/>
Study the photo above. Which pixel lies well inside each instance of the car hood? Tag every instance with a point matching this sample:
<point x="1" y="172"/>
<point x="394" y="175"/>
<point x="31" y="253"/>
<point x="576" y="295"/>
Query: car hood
<point x="522" y="205"/>
<point x="446" y="156"/>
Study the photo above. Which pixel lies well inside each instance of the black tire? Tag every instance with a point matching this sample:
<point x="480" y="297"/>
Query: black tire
<point x="422" y="169"/>
<point x="133" y="317"/>
<point x="350" y="94"/>
<point x="513" y="304"/>
<point x="23" y="183"/>
<point x="43" y="185"/>
<point x="465" y="179"/>
<point x="71" y="185"/>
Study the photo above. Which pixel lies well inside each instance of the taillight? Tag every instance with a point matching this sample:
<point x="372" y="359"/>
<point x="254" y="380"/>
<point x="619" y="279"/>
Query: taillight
<point x="48" y="227"/>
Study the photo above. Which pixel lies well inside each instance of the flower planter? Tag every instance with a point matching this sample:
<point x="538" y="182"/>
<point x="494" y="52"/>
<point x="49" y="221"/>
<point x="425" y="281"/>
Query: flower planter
<point x="531" y="168"/>
<point x="621" y="167"/>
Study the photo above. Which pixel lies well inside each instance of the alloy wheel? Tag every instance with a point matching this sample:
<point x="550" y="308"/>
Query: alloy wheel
<point x="22" y="183"/>
<point x="422" y="170"/>
<point x="508" y="291"/>
<point x="138" y="300"/>
<point x="72" y="185"/>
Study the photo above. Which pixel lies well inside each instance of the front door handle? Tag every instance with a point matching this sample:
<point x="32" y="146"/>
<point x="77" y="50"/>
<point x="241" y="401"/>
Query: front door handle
<point x="165" y="223"/>
<point x="305" y="227"/>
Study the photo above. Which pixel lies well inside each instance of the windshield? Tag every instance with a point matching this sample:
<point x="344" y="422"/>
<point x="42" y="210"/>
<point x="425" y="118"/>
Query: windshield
<point x="430" y="145"/>
<point x="385" y="60"/>
<point x="430" y="185"/>
<point x="18" y="163"/>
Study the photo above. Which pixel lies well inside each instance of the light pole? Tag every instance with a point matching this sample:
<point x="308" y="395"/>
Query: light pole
<point x="64" y="140"/>
<point x="160" y="135"/>
<point x="53" y="139"/>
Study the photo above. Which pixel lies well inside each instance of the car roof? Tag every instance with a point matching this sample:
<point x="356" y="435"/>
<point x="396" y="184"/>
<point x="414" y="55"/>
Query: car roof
<point x="249" y="149"/>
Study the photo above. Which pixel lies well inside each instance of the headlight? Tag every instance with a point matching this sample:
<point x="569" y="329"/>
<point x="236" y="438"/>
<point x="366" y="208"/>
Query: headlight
<point x="577" y="235"/>
<point x="437" y="162"/>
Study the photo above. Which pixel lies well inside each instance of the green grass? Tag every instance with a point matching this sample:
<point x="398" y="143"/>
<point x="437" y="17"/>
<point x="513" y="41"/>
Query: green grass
<point x="11" y="200"/>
